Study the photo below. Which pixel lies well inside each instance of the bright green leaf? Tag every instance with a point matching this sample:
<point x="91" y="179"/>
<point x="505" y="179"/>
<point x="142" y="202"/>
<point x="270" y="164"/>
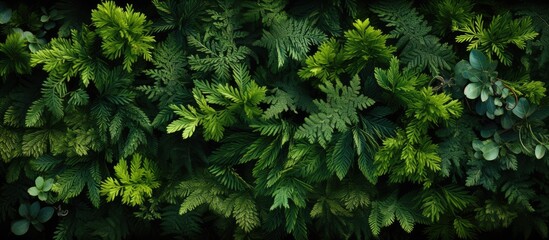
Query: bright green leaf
<point x="42" y="196"/>
<point x="33" y="191"/>
<point x="39" y="182"/>
<point x="48" y="185"/>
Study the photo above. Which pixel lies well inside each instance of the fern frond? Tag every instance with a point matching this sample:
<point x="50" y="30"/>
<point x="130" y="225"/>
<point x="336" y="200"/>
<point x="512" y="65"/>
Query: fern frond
<point x="501" y="32"/>
<point x="14" y="55"/>
<point x="419" y="49"/>
<point x="124" y="33"/>
<point x="338" y="112"/>
<point x="133" y="184"/>
<point x="289" y="39"/>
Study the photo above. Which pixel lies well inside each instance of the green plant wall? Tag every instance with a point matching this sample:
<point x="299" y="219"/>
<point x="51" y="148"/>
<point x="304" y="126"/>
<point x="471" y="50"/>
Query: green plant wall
<point x="273" y="119"/>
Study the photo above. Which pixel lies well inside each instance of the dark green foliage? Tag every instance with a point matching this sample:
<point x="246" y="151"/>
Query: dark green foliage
<point x="418" y="48"/>
<point x="246" y="119"/>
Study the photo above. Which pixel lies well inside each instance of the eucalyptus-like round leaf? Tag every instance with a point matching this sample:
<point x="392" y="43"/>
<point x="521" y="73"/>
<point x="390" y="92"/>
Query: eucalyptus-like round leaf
<point x="34" y="209"/>
<point x="490" y="151"/>
<point x="472" y="90"/>
<point x="33" y="191"/>
<point x="478" y="60"/>
<point x="20" y="227"/>
<point x="540" y="151"/>
<point x="45" y="214"/>
<point x="477" y="145"/>
<point x="522" y="108"/>
<point x="39" y="182"/>
<point x="48" y="184"/>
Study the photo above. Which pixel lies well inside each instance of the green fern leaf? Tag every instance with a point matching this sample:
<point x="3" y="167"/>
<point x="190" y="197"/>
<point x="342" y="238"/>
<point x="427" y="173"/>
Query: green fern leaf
<point x="289" y="38"/>
<point x="133" y="185"/>
<point x="337" y="113"/>
<point x="120" y="40"/>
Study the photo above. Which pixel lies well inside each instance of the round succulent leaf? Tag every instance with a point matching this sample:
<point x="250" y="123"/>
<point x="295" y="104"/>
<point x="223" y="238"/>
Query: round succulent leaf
<point x="24" y="210"/>
<point x="484" y="94"/>
<point x="45" y="214"/>
<point x="39" y="182"/>
<point x="490" y="150"/>
<point x="477" y="145"/>
<point x="48" y="184"/>
<point x="540" y="151"/>
<point x="499" y="111"/>
<point x="33" y="191"/>
<point x="20" y="227"/>
<point x="472" y="90"/>
<point x="44" y="18"/>
<point x="42" y="196"/>
<point x="34" y="209"/>
<point x="498" y="102"/>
